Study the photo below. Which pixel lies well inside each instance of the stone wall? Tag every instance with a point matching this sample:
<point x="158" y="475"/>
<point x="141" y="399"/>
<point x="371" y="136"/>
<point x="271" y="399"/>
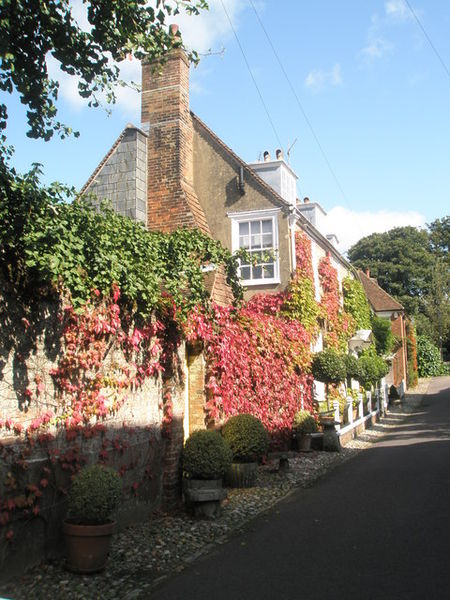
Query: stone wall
<point x="132" y="441"/>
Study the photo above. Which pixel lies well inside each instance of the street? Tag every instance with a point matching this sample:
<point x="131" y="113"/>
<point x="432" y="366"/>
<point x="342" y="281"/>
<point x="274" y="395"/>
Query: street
<point x="378" y="526"/>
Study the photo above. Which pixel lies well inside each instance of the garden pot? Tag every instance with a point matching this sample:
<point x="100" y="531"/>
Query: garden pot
<point x="203" y="497"/>
<point x="242" y="475"/>
<point x="355" y="414"/>
<point x="304" y="442"/>
<point x="87" y="546"/>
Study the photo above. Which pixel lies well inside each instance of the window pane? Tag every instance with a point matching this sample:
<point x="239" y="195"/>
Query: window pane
<point x="245" y="272"/>
<point x="243" y="241"/>
<point x="255" y="227"/>
<point x="267" y="226"/>
<point x="243" y="228"/>
<point x="269" y="271"/>
<point x="267" y="241"/>
<point x="256" y="241"/>
<point x="257" y="272"/>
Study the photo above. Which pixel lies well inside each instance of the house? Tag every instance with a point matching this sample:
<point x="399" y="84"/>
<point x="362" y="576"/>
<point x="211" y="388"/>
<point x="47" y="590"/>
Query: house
<point x="386" y="307"/>
<point x="172" y="171"/>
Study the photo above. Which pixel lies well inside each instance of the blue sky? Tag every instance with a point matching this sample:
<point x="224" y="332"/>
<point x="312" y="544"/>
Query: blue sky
<point x="369" y="82"/>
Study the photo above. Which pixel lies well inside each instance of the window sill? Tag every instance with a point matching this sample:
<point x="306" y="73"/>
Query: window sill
<point x="252" y="282"/>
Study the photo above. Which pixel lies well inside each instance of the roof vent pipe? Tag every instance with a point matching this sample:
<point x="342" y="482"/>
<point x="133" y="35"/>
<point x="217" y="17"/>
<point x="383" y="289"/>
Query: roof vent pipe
<point x="279" y="154"/>
<point x="266" y="155"/>
<point x="306" y="200"/>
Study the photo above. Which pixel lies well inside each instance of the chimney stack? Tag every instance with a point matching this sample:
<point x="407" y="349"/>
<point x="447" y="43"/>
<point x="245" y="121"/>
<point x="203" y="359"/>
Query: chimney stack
<point x="279" y="154"/>
<point x="171" y="199"/>
<point x="266" y="156"/>
<point x="368" y="272"/>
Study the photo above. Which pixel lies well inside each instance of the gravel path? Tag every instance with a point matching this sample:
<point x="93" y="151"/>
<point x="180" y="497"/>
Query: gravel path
<point x="144" y="554"/>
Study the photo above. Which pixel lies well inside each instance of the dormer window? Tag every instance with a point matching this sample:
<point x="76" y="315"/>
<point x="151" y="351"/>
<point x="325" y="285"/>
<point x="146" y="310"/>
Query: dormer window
<point x="257" y="232"/>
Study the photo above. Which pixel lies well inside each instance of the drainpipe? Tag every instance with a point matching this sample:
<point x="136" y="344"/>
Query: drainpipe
<point x="292" y="222"/>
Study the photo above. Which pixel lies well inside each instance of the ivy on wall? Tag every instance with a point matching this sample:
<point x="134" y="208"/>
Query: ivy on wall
<point x="356" y="303"/>
<point x="340" y="325"/>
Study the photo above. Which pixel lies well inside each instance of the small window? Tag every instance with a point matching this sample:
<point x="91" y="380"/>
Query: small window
<point x="258" y="234"/>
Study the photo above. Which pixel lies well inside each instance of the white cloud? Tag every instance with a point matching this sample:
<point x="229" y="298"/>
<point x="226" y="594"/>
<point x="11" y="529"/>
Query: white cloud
<point x="377" y="48"/>
<point x="208" y="30"/>
<point x="350" y="226"/>
<point x="398" y="10"/>
<point x="317" y="80"/>
<point x="211" y="28"/>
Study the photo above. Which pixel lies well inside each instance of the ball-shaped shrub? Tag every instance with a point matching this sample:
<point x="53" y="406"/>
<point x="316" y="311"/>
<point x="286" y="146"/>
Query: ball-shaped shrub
<point x="328" y="366"/>
<point x="304" y="422"/>
<point x="206" y="455"/>
<point x="94" y="495"/>
<point x="352" y="366"/>
<point x="372" y="369"/>
<point x="247" y="438"/>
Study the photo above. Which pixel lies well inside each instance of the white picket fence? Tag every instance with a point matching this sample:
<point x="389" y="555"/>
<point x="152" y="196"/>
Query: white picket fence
<point x="376" y="405"/>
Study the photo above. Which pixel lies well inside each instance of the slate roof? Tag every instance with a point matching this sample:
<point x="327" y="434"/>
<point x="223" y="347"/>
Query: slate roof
<point x="378" y="298"/>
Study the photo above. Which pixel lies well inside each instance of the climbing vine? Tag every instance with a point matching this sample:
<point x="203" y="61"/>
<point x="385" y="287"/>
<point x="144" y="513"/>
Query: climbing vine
<point x="299" y="300"/>
<point x="356" y="303"/>
<point x="340" y="325"/>
<point x="269" y="379"/>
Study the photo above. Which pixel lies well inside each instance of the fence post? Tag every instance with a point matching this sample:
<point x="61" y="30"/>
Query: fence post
<point x="349" y="410"/>
<point x="369" y="402"/>
<point x="360" y="406"/>
<point x="337" y="418"/>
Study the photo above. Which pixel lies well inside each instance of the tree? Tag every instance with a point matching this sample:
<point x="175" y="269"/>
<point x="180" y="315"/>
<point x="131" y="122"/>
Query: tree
<point x="401" y="261"/>
<point x="32" y="30"/>
<point x="440" y="237"/>
<point x="436" y="318"/>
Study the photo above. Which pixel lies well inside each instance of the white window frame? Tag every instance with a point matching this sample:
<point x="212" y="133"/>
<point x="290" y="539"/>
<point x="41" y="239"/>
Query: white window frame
<point x="257" y="215"/>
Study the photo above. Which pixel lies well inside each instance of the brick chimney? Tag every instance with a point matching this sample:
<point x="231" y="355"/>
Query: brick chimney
<point x="172" y="202"/>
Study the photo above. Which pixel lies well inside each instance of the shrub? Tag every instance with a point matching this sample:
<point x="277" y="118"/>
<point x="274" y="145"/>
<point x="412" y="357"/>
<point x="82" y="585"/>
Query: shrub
<point x="328" y="366"/>
<point x="94" y="495"/>
<point x="372" y="369"/>
<point x="246" y="437"/>
<point x="206" y="455"/>
<point x="382" y="332"/>
<point x="304" y="422"/>
<point x="429" y="358"/>
<point x="352" y="366"/>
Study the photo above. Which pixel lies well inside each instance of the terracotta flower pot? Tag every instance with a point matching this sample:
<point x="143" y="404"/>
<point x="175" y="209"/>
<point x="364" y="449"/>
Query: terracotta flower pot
<point x="87" y="546"/>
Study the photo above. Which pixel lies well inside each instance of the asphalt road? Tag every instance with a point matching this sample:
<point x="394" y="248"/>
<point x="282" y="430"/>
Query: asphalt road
<point x="378" y="526"/>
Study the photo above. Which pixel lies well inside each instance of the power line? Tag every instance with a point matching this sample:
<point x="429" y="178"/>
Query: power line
<point x="419" y="23"/>
<point x="305" y="116"/>
<point x="251" y="75"/>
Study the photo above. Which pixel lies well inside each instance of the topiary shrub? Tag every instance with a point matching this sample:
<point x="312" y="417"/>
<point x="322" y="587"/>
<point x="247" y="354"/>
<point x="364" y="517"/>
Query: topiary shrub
<point x="247" y="438"/>
<point x="94" y="495"/>
<point x="206" y="455"/>
<point x="352" y="367"/>
<point x="304" y="422"/>
<point x="372" y="369"/>
<point x="328" y="366"/>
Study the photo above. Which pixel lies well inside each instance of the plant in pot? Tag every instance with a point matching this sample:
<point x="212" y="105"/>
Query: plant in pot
<point x="206" y="458"/>
<point x="94" y="495"/>
<point x="328" y="366"/>
<point x="304" y="425"/>
<point x="249" y="441"/>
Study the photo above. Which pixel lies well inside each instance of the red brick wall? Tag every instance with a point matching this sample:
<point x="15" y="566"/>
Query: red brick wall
<point x="172" y="202"/>
<point x="400" y="361"/>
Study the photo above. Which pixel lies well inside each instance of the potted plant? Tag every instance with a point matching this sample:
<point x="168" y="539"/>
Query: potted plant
<point x="92" y="498"/>
<point x="304" y="425"/>
<point x="206" y="458"/>
<point x="249" y="441"/>
<point x="328" y="366"/>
